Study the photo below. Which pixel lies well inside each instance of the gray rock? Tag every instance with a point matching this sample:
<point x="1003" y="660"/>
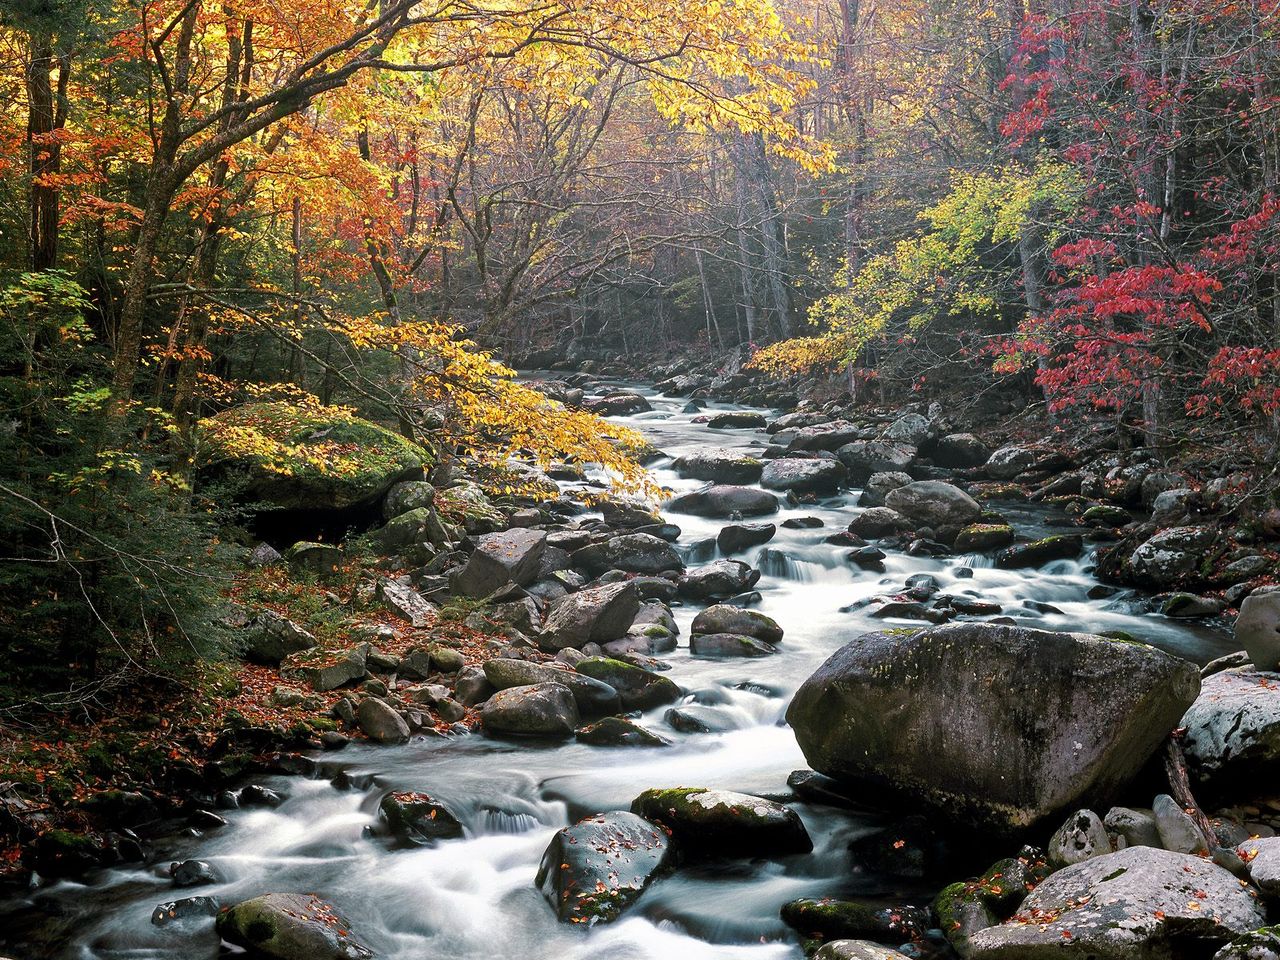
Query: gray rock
<point x="716" y="645"/>
<point x="537" y="710"/>
<point x="509" y="556"/>
<point x="994" y="725"/>
<point x="1138" y="904"/>
<point x="291" y="926"/>
<point x="346" y="669"/>
<point x="1171" y="506"/>
<point x="1233" y="730"/>
<point x="1137" y="828"/>
<point x="598" y="867"/>
<point x="863" y="458"/>
<point x="695" y="718"/>
<point x="401" y="598"/>
<point x="619" y="732"/>
<point x="408" y="495"/>
<point x="378" y="721"/>
<point x="656" y="613"/>
<point x="1178" y="832"/>
<point x="856" y="950"/>
<point x="718" y="823"/>
<point x="880" y="485"/>
<point x="264" y="555"/>
<point x="638" y="688"/>
<point x="721" y="578"/>
<point x="803" y="476"/>
<point x="723" y="618"/>
<point x="960" y="450"/>
<point x="933" y="503"/>
<point x="268" y="638"/>
<point x="826" y="436"/>
<point x="725" y="501"/>
<point x="593" y="697"/>
<point x="1263" y="857"/>
<point x="740" y="536"/>
<point x="1083" y="836"/>
<point x="1261" y="944"/>
<point x="1258" y="628"/>
<point x="878" y="522"/>
<point x="1169" y="556"/>
<point x="418" y="818"/>
<point x="472" y="687"/>
<point x="1189" y="606"/>
<point x="631" y="553"/>
<point x="719" y="466"/>
<point x="595" y="615"/>
<point x="624" y="403"/>
<point x="909" y="428"/>
<point x="1007" y="462"/>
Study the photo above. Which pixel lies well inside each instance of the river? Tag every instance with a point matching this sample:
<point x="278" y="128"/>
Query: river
<point x="474" y="898"/>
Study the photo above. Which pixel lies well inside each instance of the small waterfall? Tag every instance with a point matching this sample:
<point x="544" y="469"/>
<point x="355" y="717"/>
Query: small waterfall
<point x="775" y="563"/>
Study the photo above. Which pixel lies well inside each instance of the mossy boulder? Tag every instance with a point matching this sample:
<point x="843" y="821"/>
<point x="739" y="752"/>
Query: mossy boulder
<point x="719" y="823"/>
<point x="856" y="919"/>
<point x="290" y="926"/>
<point x="1062" y="546"/>
<point x="468" y="506"/>
<point x="289" y="458"/>
<point x="979" y="537"/>
<point x="638" y="688"/>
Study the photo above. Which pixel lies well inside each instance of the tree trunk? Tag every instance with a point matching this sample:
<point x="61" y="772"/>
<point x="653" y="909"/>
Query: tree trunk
<point x="46" y="116"/>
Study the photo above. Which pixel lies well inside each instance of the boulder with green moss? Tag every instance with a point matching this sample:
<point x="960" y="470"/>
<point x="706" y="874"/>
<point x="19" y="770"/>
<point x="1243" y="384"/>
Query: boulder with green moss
<point x="292" y="458"/>
<point x="290" y="926"/>
<point x="719" y="823"/>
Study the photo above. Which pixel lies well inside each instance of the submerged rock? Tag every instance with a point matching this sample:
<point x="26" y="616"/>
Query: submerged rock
<point x="598" y="867"/>
<point x="718" y="823"/>
<point x="998" y="726"/>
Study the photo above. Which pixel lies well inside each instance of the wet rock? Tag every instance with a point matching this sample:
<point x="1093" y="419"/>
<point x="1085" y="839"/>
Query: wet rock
<point x="736" y="420"/>
<point x="1138" y="903"/>
<point x="632" y="553"/>
<point x="718" y="823"/>
<point x="909" y="847"/>
<point x="598" y="867"/>
<point x="1258" y="628"/>
<point x="960" y="450"/>
<point x="694" y="718"/>
<point x="718" y="645"/>
<point x="1081" y="837"/>
<point x="1168" y="557"/>
<point x="193" y="873"/>
<point x="856" y="919"/>
<point x="1233" y="731"/>
<point x="879" y="485"/>
<point x="509" y="556"/>
<point x="378" y="721"/>
<point x="593" y="697"/>
<point x="619" y="732"/>
<point x="256" y="795"/>
<point x="933" y="503"/>
<point x="981" y="537"/>
<point x="638" y="688"/>
<point x="803" y="476"/>
<point x="1063" y="546"/>
<point x="719" y="466"/>
<point x="878" y="522"/>
<point x="593" y="615"/>
<point x="961" y="913"/>
<point x="723" y="618"/>
<point x="628" y="513"/>
<point x="725" y="501"/>
<point x="290" y="926"/>
<point x="268" y="638"/>
<point x="722" y="578"/>
<point x="1189" y="606"/>
<point x="740" y="536"/>
<point x="863" y="458"/>
<point x="418" y="818"/>
<point x="922" y="715"/>
<point x="536" y="710"/>
<point x="620" y="404"/>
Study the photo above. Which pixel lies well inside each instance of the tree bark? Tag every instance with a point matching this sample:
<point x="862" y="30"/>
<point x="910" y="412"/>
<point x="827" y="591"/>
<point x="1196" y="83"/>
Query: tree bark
<point x="46" y="116"/>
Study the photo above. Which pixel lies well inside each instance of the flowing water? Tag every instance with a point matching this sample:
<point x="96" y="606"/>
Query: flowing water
<point x="474" y="898"/>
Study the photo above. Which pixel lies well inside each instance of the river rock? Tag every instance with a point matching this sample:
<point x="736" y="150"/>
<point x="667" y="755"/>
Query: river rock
<point x="982" y="537"/>
<point x="696" y="718"/>
<point x="736" y="420"/>
<point x="866" y="457"/>
<point x="933" y="503"/>
<point x="1007" y="462"/>
<point x="719" y="466"/>
<point x="1258" y="628"/>
<point x="717" y="645"/>
<point x="909" y="428"/>
<point x="721" y="578"/>
<point x="826" y="436"/>
<point x="638" y="688"/>
<point x="193" y="873"/>
<point x="378" y="721"/>
<point x="960" y="450"/>
<point x="175" y="911"/>
<point x="856" y="950"/>
<point x="290" y="926"/>
<point x="725" y="501"/>
<point x="1138" y="904"/>
<point x="723" y="618"/>
<point x="1062" y="546"/>
<point x="740" y="536"/>
<point x="1081" y="837"/>
<point x="1168" y="557"/>
<point x="536" y="710"/>
<point x="803" y="476"/>
<point x="632" y="553"/>
<point x="855" y="919"/>
<point x="509" y="556"/>
<point x="990" y="724"/>
<point x="1233" y="731"/>
<point x="598" y="867"/>
<point x="624" y="403"/>
<point x="619" y="732"/>
<point x="878" y="522"/>
<point x="594" y="615"/>
<point x="418" y="818"/>
<point x="719" y="823"/>
<point x="593" y="697"/>
<point x="879" y="485"/>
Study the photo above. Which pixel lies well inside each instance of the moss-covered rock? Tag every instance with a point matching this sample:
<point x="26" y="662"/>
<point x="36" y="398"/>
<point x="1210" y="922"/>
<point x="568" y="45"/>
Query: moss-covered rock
<point x="638" y="688"/>
<point x="856" y="919"/>
<point x="1062" y="546"/>
<point x="290" y="926"/>
<point x="718" y="823"/>
<point x="983" y="536"/>
<point x="294" y="459"/>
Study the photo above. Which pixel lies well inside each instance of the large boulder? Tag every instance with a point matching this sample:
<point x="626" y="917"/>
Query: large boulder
<point x="289" y="458"/>
<point x="1258" y="628"/>
<point x="933" y="503"/>
<point x="290" y="926"/>
<point x="719" y="823"/>
<point x="408" y="495"/>
<point x="1138" y="904"/>
<point x="631" y="552"/>
<point x="993" y="725"/>
<point x="623" y="403"/>
<point x="912" y="428"/>
<point x="865" y="457"/>
<point x="719" y="466"/>
<point x="598" y="867"/>
<point x="380" y="722"/>
<point x="1007" y="462"/>
<point x="803" y="476"/>
<point x="960" y="450"/>
<point x="740" y="536"/>
<point x="536" y="710"/>
<point x="720" y="578"/>
<point x="596" y="614"/>
<point x="638" y="688"/>
<point x="1169" y="557"/>
<point x="509" y="556"/>
<point x="725" y="501"/>
<point x="593" y="697"/>
<point x="725" y="618"/>
<point x="1233" y="730"/>
<point x="268" y="638"/>
<point x="879" y="485"/>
